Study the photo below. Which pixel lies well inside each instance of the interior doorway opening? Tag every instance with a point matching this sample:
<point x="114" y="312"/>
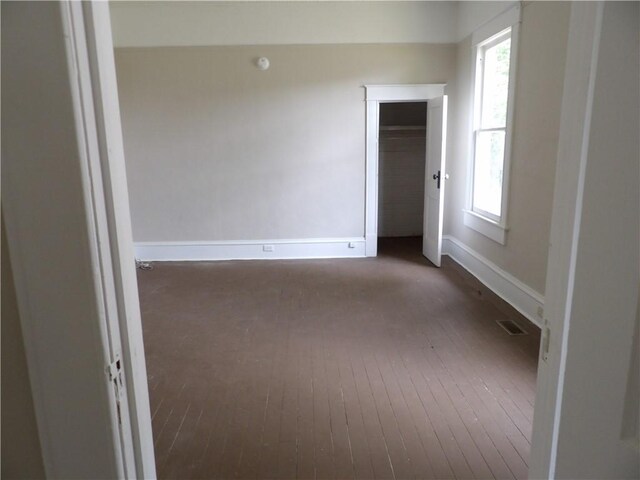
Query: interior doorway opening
<point x="431" y="99"/>
<point x="401" y="169"/>
<point x="561" y="217"/>
<point x="402" y="137"/>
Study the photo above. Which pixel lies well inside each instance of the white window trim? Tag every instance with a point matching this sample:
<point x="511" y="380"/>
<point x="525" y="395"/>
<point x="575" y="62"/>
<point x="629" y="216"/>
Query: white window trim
<point x="490" y="227"/>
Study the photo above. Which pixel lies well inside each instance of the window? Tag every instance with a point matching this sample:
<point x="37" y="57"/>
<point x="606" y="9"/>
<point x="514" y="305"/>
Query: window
<point x="492" y="83"/>
<point x="494" y="56"/>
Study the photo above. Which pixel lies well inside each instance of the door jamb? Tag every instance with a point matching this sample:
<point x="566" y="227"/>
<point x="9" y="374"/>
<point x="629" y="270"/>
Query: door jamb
<point x="94" y="312"/>
<point x="97" y="25"/>
<point x="374" y="96"/>
<point x="575" y="122"/>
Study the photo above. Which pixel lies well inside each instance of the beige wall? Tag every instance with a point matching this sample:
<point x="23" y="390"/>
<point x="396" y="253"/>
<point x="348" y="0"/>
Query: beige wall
<point x="540" y="74"/>
<point x="471" y="15"/>
<point x="219" y="150"/>
<point x="187" y="23"/>
<point x="21" y="455"/>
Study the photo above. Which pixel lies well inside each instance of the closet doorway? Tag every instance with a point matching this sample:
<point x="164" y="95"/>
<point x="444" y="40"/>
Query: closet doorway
<point x="406" y="138"/>
<point x="402" y="143"/>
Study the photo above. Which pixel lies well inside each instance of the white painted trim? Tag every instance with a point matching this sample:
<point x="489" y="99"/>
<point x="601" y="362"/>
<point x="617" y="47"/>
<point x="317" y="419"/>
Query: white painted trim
<point x="511" y="102"/>
<point x="509" y="18"/>
<point x="88" y="125"/>
<point x="60" y="248"/>
<point x="104" y="86"/>
<point x="251" y="249"/>
<point x="403" y="93"/>
<point x="371" y="178"/>
<point x="375" y="95"/>
<point x="485" y="226"/>
<point x="520" y="296"/>
<point x="575" y="123"/>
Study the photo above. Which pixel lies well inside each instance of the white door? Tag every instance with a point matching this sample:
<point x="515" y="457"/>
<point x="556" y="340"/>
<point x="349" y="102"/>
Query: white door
<point x="434" y="179"/>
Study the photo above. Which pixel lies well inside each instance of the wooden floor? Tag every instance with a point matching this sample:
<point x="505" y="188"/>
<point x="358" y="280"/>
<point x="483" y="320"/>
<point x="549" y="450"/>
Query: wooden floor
<point x="359" y="368"/>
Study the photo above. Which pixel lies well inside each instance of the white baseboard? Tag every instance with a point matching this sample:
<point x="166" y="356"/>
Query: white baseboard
<point x="520" y="296"/>
<point x="251" y="250"/>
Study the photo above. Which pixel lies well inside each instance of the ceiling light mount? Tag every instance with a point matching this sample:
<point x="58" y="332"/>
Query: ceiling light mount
<point x="263" y="63"/>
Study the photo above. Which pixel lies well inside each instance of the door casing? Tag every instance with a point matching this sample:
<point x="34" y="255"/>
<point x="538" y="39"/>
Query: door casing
<point x="374" y="96"/>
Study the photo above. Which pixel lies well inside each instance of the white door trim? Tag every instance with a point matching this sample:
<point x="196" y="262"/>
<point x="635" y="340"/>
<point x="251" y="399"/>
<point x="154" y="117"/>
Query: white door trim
<point x="90" y="133"/>
<point x="54" y="207"/>
<point x="575" y="122"/>
<point x="67" y="222"/>
<point x="374" y="96"/>
<point x="117" y="211"/>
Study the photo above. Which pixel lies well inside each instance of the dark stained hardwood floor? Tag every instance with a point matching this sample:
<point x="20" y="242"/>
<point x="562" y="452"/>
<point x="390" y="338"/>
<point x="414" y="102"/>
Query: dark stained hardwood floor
<point x="335" y="369"/>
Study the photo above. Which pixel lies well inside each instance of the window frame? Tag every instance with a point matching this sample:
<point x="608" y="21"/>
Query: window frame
<point x="490" y="34"/>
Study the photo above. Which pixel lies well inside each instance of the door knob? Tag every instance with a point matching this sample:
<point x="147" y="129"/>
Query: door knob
<point x="436" y="176"/>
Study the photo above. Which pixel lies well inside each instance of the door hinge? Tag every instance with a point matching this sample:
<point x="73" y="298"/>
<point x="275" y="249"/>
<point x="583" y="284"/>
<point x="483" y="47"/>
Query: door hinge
<point x="115" y="373"/>
<point x="546" y="340"/>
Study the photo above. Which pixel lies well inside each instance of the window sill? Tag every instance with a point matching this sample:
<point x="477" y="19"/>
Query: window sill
<point x="488" y="228"/>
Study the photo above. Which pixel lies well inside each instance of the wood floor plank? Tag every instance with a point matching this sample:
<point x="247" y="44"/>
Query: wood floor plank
<point x="382" y="462"/>
<point x="446" y="434"/>
<point x="411" y="440"/>
<point x="348" y="400"/>
<point x="432" y="446"/>
<point x="394" y="439"/>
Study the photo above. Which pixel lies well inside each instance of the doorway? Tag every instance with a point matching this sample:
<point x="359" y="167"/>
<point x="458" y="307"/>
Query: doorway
<point x="396" y="114"/>
<point x="551" y="424"/>
<point x="402" y="143"/>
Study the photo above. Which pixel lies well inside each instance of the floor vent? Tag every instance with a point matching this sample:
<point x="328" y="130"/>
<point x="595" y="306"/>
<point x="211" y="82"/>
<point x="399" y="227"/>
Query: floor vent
<point x="511" y="327"/>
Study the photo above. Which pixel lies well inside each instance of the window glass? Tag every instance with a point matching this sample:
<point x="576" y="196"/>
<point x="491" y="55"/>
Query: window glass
<point x="488" y="168"/>
<point x="495" y="85"/>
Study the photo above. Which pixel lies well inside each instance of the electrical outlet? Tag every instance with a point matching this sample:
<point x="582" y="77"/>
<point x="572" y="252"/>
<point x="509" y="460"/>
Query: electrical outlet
<point x="267" y="248"/>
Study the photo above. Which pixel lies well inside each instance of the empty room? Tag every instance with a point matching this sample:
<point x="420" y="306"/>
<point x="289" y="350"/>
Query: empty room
<point x="311" y="349"/>
<point x="320" y="240"/>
